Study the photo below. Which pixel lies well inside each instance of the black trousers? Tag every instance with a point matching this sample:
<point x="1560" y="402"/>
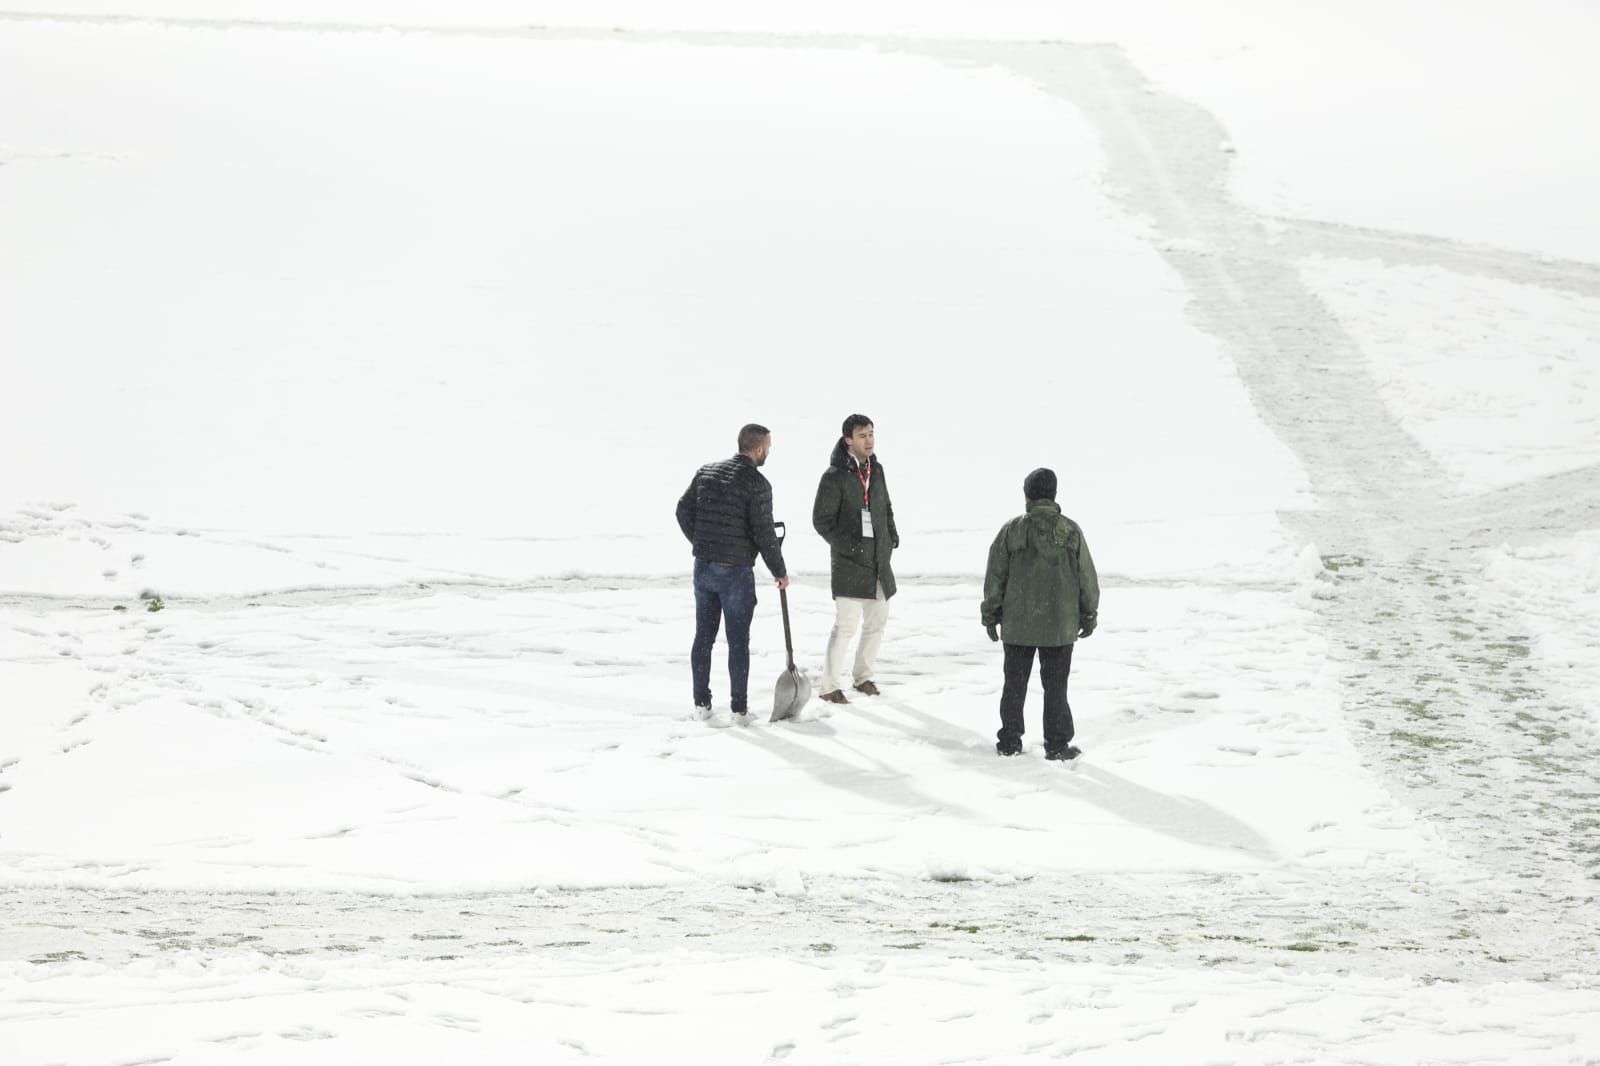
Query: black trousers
<point x="1054" y="666"/>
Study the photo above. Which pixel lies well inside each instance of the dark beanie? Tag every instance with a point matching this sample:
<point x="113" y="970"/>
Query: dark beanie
<point x="1040" y="485"/>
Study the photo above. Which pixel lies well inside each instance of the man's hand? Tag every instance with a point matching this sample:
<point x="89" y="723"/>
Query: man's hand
<point x="783" y="582"/>
<point x="993" y="631"/>
<point x="1086" y="627"/>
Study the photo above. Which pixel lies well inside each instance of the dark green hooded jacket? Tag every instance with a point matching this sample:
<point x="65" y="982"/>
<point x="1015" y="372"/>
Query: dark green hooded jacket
<point x="1041" y="586"/>
<point x="858" y="564"/>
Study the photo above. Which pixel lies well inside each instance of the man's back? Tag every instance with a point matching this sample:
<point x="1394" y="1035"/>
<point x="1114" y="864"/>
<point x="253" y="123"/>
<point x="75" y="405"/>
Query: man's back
<point x="726" y="513"/>
<point x="1041" y="581"/>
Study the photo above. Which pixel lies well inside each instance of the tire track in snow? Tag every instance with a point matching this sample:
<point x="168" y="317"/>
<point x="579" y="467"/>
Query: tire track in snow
<point x="1308" y="237"/>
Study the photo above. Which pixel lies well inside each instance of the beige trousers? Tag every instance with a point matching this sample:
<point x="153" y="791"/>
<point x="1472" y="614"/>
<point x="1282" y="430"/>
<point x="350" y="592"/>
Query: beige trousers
<point x="850" y="615"/>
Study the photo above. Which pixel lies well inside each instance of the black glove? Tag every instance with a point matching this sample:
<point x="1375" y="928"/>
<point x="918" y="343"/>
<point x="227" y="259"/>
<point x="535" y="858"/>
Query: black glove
<point x="993" y="631"/>
<point x="1086" y="626"/>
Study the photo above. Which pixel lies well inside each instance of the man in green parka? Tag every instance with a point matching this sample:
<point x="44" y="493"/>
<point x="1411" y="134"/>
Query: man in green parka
<point x="853" y="513"/>
<point x="1041" y="593"/>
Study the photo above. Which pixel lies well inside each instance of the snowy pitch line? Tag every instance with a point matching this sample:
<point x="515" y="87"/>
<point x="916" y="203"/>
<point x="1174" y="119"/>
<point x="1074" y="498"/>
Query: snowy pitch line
<point x="1140" y="921"/>
<point x="333" y="595"/>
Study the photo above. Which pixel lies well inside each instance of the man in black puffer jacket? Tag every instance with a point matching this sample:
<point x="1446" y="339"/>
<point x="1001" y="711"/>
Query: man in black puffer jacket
<point x="727" y="515"/>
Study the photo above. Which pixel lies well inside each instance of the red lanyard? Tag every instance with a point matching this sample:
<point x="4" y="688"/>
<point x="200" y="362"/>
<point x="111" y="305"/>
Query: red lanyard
<point x="864" y="475"/>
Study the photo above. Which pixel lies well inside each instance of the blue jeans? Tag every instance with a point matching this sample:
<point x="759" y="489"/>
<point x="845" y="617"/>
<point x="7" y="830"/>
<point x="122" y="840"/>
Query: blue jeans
<point x="722" y="590"/>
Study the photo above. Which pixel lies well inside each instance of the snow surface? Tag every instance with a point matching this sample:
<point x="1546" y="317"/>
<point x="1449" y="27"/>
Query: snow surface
<point x="1394" y="116"/>
<point x="1553" y="587"/>
<point x="1498" y="380"/>
<point x="352" y="373"/>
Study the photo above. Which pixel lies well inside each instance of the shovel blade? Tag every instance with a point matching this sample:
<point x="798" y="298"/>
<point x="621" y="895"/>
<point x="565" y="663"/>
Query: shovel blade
<point x="792" y="693"/>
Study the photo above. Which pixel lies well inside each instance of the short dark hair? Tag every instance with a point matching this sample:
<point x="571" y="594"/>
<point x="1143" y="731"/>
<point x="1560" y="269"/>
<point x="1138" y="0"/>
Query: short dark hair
<point x="1040" y="485"/>
<point x="853" y="423"/>
<point x="752" y="435"/>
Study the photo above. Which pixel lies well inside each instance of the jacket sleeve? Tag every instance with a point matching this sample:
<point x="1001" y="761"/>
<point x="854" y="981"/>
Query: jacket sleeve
<point x="825" y="511"/>
<point x="1088" y="582"/>
<point x="759" y="516"/>
<point x="686" y="510"/>
<point x="994" y="579"/>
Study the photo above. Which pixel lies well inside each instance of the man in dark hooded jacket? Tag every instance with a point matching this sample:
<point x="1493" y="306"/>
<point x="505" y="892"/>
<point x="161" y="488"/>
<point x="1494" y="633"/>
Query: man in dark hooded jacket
<point x="1042" y="593"/>
<point x="853" y="514"/>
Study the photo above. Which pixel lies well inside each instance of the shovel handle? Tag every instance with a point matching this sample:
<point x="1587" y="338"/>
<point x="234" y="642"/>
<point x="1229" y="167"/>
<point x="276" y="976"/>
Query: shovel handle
<point x="783" y="597"/>
<point x="788" y="641"/>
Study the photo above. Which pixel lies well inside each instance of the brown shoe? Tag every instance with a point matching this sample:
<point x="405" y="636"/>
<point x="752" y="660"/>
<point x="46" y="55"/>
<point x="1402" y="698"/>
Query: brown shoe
<point x="836" y="696"/>
<point x="867" y="688"/>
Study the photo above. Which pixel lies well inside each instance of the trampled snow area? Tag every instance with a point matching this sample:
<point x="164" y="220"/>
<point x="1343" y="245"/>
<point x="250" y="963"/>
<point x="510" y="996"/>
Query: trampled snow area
<point x="355" y="358"/>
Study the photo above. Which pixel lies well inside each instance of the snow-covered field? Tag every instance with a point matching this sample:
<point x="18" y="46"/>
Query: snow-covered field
<point x="354" y="358"/>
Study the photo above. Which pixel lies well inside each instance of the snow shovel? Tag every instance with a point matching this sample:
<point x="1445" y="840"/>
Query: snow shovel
<point x="793" y="689"/>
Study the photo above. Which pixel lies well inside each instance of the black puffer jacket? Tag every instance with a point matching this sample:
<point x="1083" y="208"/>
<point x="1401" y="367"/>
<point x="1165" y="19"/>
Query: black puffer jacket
<point x="726" y="513"/>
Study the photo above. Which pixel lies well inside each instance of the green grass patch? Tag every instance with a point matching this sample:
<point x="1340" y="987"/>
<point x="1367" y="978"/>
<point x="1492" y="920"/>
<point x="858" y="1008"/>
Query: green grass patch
<point x="1423" y="740"/>
<point x="1418" y="708"/>
<point x="60" y="956"/>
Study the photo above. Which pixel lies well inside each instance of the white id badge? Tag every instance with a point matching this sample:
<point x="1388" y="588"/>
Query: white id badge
<point x="866" y="524"/>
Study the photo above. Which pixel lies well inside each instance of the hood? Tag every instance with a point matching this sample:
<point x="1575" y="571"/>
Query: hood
<point x="841" y="458"/>
<point x="1045" y="530"/>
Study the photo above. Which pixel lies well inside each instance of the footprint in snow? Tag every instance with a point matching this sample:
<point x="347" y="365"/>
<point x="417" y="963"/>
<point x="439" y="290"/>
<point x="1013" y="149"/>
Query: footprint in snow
<point x="232" y="1038"/>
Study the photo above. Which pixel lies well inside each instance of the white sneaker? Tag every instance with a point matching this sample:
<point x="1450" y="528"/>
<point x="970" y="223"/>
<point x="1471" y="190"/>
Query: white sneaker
<point x="744" y="718"/>
<point x="702" y="712"/>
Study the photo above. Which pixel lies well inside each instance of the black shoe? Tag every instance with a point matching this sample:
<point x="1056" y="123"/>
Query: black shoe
<point x="1062" y="754"/>
<point x="1001" y="749"/>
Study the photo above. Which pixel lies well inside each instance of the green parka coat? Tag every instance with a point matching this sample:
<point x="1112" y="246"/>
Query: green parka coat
<point x="858" y="563"/>
<point x="1041" y="586"/>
